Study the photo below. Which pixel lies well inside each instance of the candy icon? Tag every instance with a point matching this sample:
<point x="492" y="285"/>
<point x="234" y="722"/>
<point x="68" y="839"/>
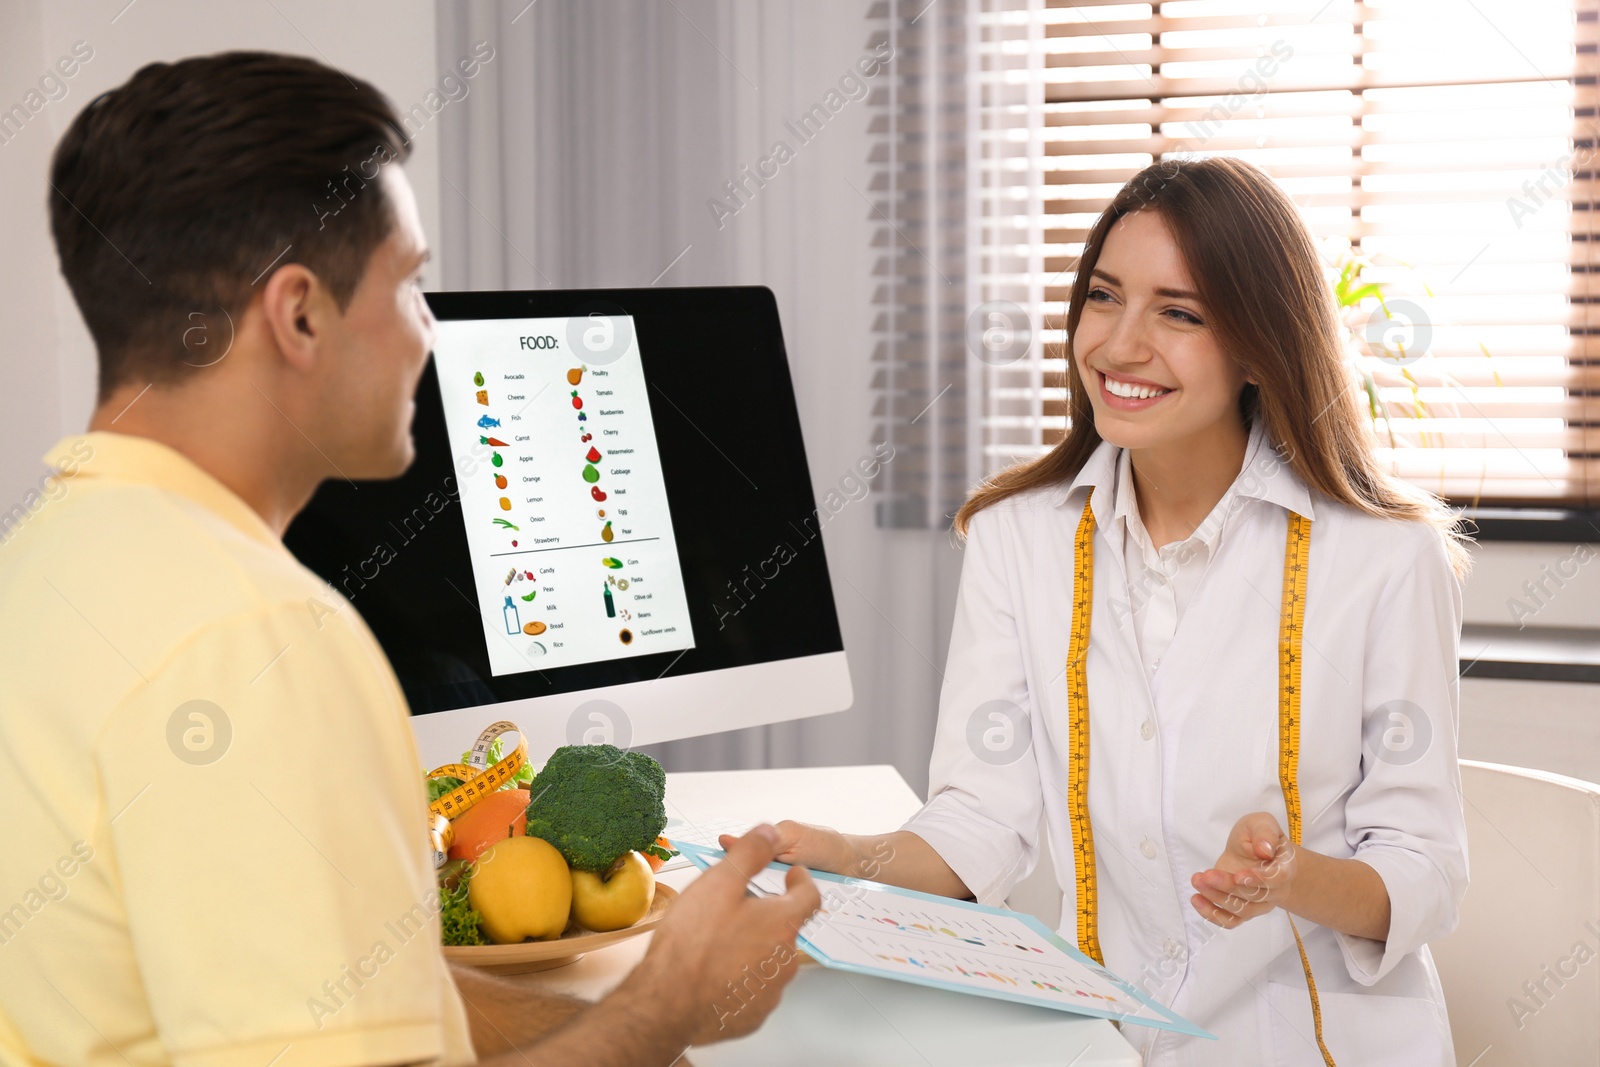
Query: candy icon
<point x="593" y="455"/>
<point x="590" y="475"/>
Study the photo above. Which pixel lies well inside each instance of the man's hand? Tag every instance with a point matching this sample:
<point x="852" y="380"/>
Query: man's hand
<point x="715" y="968"/>
<point x="1252" y="876"/>
<point x="720" y="957"/>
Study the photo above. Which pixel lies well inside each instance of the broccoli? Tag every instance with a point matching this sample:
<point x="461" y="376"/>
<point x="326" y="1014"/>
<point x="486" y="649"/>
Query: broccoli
<point x="595" y="803"/>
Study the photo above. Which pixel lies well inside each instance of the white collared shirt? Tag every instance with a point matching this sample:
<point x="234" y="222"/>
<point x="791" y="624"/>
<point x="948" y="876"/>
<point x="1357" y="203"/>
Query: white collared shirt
<point x="1161" y="581"/>
<point x="1180" y="754"/>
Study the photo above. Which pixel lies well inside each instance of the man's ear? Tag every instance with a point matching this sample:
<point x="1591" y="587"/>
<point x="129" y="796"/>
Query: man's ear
<point x="292" y="303"/>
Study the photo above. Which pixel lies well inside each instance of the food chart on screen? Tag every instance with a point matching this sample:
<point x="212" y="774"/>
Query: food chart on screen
<point x="561" y="489"/>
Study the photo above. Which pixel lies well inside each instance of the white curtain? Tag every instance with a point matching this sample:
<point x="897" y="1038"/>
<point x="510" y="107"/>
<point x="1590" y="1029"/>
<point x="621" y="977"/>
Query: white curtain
<point x="587" y="154"/>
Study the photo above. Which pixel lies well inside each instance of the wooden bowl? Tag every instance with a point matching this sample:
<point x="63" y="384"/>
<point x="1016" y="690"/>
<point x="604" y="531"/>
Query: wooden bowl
<point x="529" y="956"/>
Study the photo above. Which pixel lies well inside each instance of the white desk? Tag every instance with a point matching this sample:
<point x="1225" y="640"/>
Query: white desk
<point x="829" y="1016"/>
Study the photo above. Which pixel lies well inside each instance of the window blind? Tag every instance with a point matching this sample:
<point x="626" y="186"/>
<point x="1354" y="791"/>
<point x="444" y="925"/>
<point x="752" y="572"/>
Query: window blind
<point x="1451" y="143"/>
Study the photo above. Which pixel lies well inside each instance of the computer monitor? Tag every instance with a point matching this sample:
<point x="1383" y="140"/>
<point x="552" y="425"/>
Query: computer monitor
<point x="608" y="533"/>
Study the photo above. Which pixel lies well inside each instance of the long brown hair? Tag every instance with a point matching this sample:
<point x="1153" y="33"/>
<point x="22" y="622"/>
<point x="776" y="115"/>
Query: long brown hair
<point x="1261" y="281"/>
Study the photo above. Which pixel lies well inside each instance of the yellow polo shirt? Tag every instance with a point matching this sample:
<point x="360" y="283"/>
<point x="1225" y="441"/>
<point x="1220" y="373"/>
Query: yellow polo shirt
<point x="214" y="851"/>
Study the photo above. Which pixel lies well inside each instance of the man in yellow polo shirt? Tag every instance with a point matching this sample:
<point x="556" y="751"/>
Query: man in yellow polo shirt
<point x="212" y="798"/>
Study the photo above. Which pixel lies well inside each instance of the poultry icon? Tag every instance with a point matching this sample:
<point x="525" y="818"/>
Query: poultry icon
<point x="488" y="423"/>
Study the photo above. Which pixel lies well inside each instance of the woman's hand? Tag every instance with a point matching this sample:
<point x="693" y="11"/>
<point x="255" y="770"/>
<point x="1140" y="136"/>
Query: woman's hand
<point x="1252" y="876"/>
<point x="817" y="848"/>
<point x="900" y="858"/>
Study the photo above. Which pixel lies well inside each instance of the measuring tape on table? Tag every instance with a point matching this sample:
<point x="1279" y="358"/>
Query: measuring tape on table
<point x="477" y="782"/>
<point x="1297" y="552"/>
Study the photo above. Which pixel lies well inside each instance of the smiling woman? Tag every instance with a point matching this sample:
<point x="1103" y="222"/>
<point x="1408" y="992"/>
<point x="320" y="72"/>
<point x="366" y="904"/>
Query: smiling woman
<point x="1217" y="259"/>
<point x="1210" y="589"/>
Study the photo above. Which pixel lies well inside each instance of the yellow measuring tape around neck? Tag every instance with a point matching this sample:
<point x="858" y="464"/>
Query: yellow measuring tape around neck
<point x="477" y="782"/>
<point x="1297" y="552"/>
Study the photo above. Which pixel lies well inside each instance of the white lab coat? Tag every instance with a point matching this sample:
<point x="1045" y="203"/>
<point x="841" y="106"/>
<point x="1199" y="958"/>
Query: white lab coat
<point x="1178" y="756"/>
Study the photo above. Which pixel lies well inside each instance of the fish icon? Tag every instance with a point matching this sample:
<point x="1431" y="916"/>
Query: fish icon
<point x="487" y="423"/>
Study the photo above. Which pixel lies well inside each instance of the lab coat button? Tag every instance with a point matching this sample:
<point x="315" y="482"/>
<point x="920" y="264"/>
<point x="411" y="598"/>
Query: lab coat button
<point x="1148" y="847"/>
<point x="1147" y="729"/>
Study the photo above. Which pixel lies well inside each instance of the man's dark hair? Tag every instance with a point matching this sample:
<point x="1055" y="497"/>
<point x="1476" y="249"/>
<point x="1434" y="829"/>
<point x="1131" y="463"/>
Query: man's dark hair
<point x="172" y="196"/>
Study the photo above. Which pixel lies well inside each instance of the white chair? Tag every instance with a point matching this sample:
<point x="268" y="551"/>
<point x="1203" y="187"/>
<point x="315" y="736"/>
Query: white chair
<point x="1521" y="974"/>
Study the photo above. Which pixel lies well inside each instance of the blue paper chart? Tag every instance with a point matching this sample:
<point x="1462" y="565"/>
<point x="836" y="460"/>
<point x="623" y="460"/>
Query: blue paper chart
<point x="888" y="932"/>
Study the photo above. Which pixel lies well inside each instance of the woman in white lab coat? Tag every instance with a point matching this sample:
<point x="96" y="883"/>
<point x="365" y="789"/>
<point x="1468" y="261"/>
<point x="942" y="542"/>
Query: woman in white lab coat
<point x="1215" y="448"/>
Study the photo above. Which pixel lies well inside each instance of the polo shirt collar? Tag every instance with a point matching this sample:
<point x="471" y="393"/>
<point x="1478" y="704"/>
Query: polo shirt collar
<point x="1264" y="476"/>
<point x="119" y="457"/>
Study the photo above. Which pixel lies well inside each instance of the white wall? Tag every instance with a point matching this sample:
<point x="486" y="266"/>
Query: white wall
<point x="1554" y="726"/>
<point x="46" y="359"/>
<point x="31" y="402"/>
<point x="1501" y="569"/>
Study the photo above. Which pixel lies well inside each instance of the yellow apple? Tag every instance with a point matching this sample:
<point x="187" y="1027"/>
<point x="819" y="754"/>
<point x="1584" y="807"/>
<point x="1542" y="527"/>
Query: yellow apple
<point x="522" y="889"/>
<point x="615" y="899"/>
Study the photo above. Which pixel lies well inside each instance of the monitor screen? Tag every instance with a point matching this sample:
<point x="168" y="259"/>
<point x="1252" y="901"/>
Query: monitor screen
<point x="610" y="497"/>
